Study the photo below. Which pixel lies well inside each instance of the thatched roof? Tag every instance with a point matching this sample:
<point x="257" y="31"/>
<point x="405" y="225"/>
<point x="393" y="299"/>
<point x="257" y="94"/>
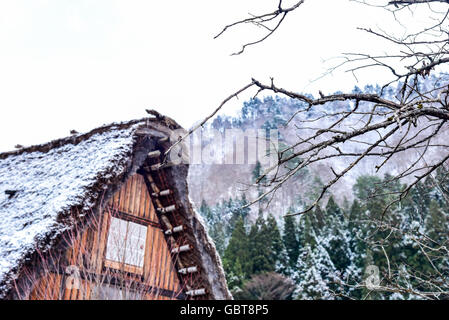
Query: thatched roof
<point x="41" y="186"/>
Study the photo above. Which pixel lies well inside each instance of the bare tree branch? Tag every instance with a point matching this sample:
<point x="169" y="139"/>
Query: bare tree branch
<point x="262" y="21"/>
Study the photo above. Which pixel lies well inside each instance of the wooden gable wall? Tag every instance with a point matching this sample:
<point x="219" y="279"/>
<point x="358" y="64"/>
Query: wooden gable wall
<point x="87" y="252"/>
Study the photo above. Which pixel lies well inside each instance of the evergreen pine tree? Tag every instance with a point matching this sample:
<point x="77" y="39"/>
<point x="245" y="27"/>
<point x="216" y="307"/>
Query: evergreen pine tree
<point x="256" y="174"/>
<point x="236" y="258"/>
<point x="260" y="248"/>
<point x="315" y="274"/>
<point x="336" y="240"/>
<point x="355" y="215"/>
<point x="290" y="239"/>
<point x="333" y="211"/>
<point x="357" y="246"/>
<point x="214" y="225"/>
<point x="206" y="213"/>
<point x="278" y="257"/>
<point x="437" y="224"/>
<point x="318" y="219"/>
<point x="257" y="171"/>
<point x="218" y="236"/>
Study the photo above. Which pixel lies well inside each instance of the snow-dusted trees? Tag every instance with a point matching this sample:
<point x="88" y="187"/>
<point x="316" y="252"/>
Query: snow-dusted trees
<point x="255" y="251"/>
<point x="407" y="242"/>
<point x="407" y="245"/>
<point x="404" y="117"/>
<point x="291" y="242"/>
<point x="326" y="258"/>
<point x="315" y="274"/>
<point x="330" y="252"/>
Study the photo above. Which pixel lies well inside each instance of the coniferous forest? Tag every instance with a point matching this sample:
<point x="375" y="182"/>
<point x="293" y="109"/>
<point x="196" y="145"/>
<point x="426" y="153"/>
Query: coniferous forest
<point x="360" y="242"/>
<point x="326" y="254"/>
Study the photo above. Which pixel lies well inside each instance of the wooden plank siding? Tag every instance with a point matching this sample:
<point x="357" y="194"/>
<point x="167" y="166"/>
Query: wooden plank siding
<point x="87" y="252"/>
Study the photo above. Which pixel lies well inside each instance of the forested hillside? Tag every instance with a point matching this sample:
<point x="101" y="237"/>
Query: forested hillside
<point x="357" y="236"/>
<point x="328" y="253"/>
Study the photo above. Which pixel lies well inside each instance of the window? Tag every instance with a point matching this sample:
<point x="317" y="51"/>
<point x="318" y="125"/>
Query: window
<point x="126" y="245"/>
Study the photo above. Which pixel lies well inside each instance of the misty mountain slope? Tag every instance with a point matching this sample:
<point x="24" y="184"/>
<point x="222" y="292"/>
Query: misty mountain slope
<point x="215" y="183"/>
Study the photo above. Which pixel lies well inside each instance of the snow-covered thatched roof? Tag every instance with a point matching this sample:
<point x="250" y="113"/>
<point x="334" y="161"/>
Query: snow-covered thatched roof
<point x="41" y="186"/>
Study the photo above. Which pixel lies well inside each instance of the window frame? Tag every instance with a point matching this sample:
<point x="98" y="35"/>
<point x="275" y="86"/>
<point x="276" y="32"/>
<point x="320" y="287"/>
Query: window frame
<point x="123" y="266"/>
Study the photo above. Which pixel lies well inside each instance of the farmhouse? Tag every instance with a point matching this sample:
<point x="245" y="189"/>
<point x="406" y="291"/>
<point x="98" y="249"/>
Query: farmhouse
<point x="104" y="215"/>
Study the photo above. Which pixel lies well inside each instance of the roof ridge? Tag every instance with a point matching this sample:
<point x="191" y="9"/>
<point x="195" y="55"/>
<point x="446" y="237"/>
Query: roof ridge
<point x="74" y="139"/>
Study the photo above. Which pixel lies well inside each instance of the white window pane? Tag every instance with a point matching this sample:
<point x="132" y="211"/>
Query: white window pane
<point x="126" y="242"/>
<point x="116" y="240"/>
<point x="135" y="242"/>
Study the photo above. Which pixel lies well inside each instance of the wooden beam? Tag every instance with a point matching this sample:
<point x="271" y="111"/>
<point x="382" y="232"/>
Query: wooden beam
<point x="192" y="269"/>
<point x="153" y="185"/>
<point x="180" y="249"/>
<point x="159" y="166"/>
<point x="154" y="154"/>
<point x="161" y="193"/>
<point x="166" y="222"/>
<point x="196" y="292"/>
<point x="167" y="209"/>
<point x="174" y="230"/>
<point x="126" y="216"/>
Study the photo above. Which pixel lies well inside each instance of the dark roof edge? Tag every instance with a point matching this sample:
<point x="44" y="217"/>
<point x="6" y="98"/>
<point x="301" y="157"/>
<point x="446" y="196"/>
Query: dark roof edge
<point x="75" y="139"/>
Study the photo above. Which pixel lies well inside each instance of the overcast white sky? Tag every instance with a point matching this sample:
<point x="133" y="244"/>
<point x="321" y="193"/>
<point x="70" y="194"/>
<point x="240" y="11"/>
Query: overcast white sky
<point x="77" y="64"/>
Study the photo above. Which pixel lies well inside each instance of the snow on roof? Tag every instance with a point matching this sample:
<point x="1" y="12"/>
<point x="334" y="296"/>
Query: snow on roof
<point x="40" y="184"/>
